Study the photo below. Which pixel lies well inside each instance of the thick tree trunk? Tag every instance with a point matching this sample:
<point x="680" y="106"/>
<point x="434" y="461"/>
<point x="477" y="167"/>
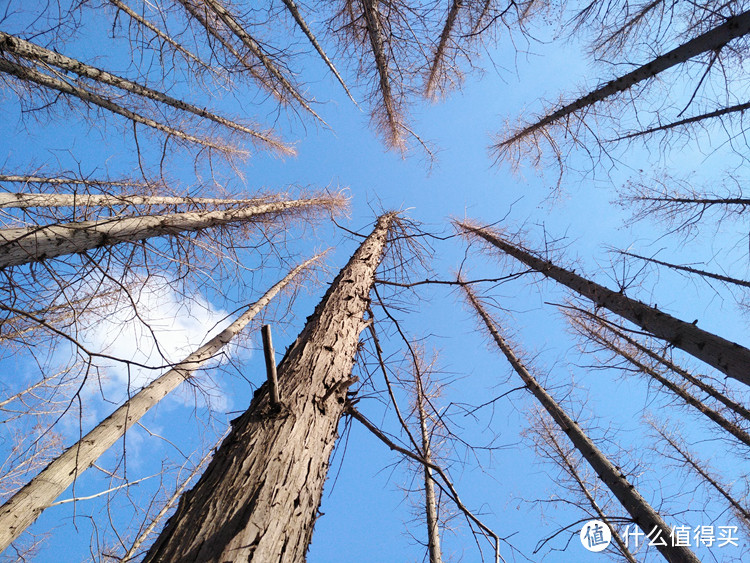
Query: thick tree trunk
<point x="33" y="244"/>
<point x="641" y="511"/>
<point x="728" y="357"/>
<point x="712" y="40"/>
<point x="25" y="506"/>
<point x="258" y="499"/>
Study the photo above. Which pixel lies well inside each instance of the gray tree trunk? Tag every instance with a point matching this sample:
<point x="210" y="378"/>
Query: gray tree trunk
<point x="641" y="511"/>
<point x="21" y="510"/>
<point x="258" y="499"/>
<point x="433" y="528"/>
<point x="29" y="200"/>
<point x="712" y="40"/>
<point x="33" y="244"/>
<point x="728" y="357"/>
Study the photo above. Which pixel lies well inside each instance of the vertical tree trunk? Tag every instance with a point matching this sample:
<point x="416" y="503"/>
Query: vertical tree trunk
<point x="433" y="529"/>
<point x="643" y="514"/>
<point x="33" y="244"/>
<point x="21" y="510"/>
<point x="728" y="357"/>
<point x="258" y="499"/>
<point x="438" y="60"/>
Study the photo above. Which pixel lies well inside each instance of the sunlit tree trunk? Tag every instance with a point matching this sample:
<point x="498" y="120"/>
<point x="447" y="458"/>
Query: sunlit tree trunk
<point x="728" y="357"/>
<point x="25" y="506"/>
<point x="258" y="499"/>
<point x="33" y="244"/>
<point x="641" y="511"/>
<point x="712" y="40"/>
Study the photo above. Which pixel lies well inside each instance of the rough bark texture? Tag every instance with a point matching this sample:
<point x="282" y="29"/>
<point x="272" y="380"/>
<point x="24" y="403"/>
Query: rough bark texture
<point x="33" y="244"/>
<point x="436" y="68"/>
<point x="728" y="357"/>
<point x="712" y="40"/>
<point x="25" y="506"/>
<point x="258" y="499"/>
<point x="641" y="511"/>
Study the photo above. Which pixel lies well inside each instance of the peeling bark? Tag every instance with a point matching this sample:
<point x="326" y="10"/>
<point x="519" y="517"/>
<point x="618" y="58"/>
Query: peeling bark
<point x="33" y="244"/>
<point x="258" y="499"/>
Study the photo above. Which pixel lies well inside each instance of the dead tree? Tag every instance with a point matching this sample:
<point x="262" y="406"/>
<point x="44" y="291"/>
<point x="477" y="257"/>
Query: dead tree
<point x="697" y="380"/>
<point x="728" y="357"/>
<point x="33" y="244"/>
<point x="711" y="42"/>
<point x="39" y="55"/>
<point x="431" y="505"/>
<point x="641" y="511"/>
<point x="297" y="15"/>
<point x="25" y="506"/>
<point x="699" y="468"/>
<point x="690" y="270"/>
<point x="259" y="497"/>
<point x="598" y="333"/>
<point x="548" y="443"/>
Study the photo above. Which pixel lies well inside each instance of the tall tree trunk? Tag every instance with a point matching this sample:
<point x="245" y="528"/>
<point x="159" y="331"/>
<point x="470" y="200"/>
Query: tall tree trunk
<point x="438" y="60"/>
<point x="712" y="40"/>
<point x="391" y="122"/>
<point x="31" y="51"/>
<point x="33" y="244"/>
<point x="21" y="510"/>
<point x="688" y="269"/>
<point x="686" y="375"/>
<point x="611" y="344"/>
<point x="728" y="357"/>
<point x="28" y="200"/>
<point x="642" y="513"/>
<point x="294" y="11"/>
<point x="548" y="434"/>
<point x="258" y="499"/>
<point x="433" y="529"/>
<point x="742" y="512"/>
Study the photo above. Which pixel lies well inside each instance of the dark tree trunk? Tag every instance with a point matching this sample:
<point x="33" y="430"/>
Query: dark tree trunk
<point x="728" y="357"/>
<point x="258" y="499"/>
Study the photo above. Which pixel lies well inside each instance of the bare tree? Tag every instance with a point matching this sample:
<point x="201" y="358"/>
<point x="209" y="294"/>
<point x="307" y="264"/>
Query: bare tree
<point x="259" y="497"/>
<point x="695" y="465"/>
<point x="728" y="357"/>
<point x="641" y="511"/>
<point x="549" y="443"/>
<point x="26" y="505"/>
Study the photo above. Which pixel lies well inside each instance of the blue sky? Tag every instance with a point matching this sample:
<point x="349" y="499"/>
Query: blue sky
<point x="368" y="515"/>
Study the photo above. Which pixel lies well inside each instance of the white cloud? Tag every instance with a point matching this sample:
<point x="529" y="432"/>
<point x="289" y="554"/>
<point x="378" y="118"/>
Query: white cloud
<point x="162" y="329"/>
